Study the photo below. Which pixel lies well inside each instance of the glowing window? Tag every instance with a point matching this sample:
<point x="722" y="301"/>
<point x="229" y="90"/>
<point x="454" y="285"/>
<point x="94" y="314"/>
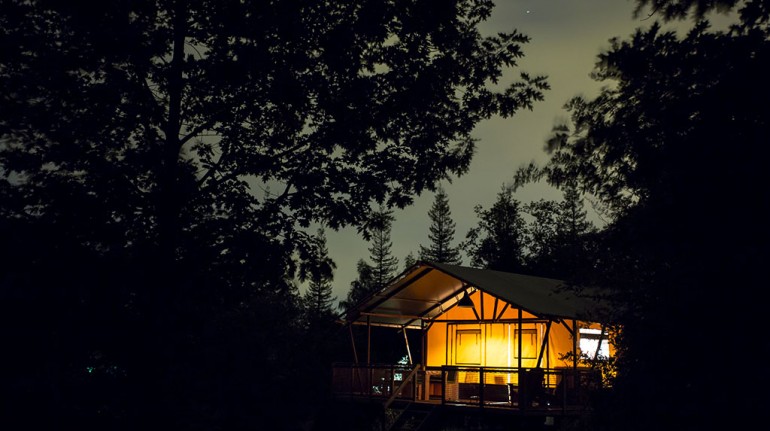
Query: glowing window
<point x="589" y="341"/>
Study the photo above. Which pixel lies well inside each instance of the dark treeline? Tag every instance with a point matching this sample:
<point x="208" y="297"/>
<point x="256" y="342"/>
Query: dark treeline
<point x="547" y="238"/>
<point x="161" y="162"/>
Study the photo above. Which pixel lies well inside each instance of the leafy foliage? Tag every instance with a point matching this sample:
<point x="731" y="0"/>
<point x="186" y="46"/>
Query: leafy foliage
<point x="680" y="9"/>
<point x="750" y="12"/>
<point x="161" y="159"/>
<point x="680" y="128"/>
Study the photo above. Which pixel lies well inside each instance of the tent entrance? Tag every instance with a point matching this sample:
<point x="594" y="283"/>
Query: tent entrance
<point x="494" y="344"/>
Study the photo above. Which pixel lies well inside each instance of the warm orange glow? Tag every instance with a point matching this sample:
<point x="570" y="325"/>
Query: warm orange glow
<point x="496" y="345"/>
<point x="437" y="347"/>
<point x="460" y="339"/>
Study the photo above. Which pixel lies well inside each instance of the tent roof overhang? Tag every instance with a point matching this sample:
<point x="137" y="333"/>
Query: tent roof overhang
<point x="427" y="290"/>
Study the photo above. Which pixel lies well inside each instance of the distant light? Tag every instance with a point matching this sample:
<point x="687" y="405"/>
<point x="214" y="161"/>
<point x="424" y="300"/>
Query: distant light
<point x="527" y="11"/>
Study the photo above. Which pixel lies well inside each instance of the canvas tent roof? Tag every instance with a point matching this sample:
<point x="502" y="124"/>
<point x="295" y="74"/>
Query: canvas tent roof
<point x="426" y="290"/>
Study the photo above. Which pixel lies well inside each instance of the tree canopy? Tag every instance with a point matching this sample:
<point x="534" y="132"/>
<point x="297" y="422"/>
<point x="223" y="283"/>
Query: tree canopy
<point x="327" y="106"/>
<point x="674" y="147"/>
<point x="161" y="160"/>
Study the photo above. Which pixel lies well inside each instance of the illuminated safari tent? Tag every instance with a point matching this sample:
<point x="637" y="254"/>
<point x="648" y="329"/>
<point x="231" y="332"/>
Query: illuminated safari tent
<point x="486" y="339"/>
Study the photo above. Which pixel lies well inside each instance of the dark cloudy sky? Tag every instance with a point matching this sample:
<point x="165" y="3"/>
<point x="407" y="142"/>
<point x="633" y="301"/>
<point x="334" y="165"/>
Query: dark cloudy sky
<point x="566" y="36"/>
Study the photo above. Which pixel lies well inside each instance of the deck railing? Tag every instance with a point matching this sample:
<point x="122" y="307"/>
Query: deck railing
<point x="373" y="380"/>
<point x="485" y="387"/>
<point x="523" y="389"/>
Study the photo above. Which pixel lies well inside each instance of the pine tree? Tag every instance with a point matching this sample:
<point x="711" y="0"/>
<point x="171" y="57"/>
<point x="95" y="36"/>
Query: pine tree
<point x="497" y="242"/>
<point x="558" y="236"/>
<point x="409" y="260"/>
<point x="441" y="233"/>
<point x="373" y="277"/>
<point x="361" y="287"/>
<point x="572" y="222"/>
<point x="318" y="298"/>
<point x="542" y="233"/>
<point x="384" y="264"/>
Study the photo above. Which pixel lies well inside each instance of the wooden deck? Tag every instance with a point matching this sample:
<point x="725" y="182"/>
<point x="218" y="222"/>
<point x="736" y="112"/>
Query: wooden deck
<point x="544" y="392"/>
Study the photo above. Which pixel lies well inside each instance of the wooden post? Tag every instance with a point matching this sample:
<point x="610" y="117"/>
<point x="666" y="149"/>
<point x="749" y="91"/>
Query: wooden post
<point x="424" y="360"/>
<point x="353" y="344"/>
<point x="443" y="385"/>
<point x="544" y="345"/>
<point x="357" y="369"/>
<point x="423" y="343"/>
<point x="481" y="387"/>
<point x="574" y="345"/>
<point x="481" y="298"/>
<point x="518" y="330"/>
<point x="447" y="344"/>
<point x="368" y="340"/>
<point x="406" y="341"/>
<point x="505" y="307"/>
<point x="598" y="346"/>
<point x="483" y="328"/>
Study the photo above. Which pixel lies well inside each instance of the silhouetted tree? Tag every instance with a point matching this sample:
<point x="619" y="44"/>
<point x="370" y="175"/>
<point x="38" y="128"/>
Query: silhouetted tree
<point x="575" y="253"/>
<point x="542" y="233"/>
<point x="559" y="241"/>
<point x="409" y="260"/>
<point x="498" y="240"/>
<point x="682" y="125"/>
<point x="321" y="339"/>
<point x="361" y="287"/>
<point x="384" y="264"/>
<point x="374" y="276"/>
<point x="573" y="221"/>
<point x="698" y="9"/>
<point x="441" y="233"/>
<point x="174" y="151"/>
<point x="319" y="298"/>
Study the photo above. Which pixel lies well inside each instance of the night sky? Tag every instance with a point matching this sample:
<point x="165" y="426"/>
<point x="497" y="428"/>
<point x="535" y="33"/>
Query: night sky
<point x="566" y="37"/>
